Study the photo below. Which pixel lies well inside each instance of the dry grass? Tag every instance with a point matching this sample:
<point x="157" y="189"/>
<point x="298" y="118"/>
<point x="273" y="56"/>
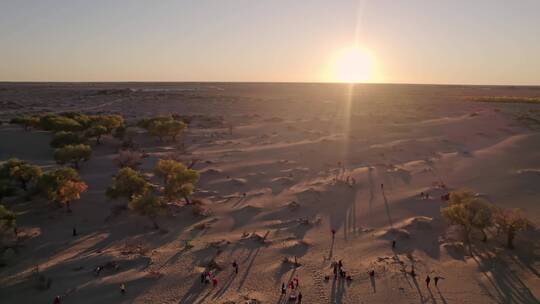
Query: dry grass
<point x="506" y="99"/>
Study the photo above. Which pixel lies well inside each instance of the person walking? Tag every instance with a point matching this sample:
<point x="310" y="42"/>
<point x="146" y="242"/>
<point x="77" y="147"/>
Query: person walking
<point x="123" y="288"/>
<point x="428" y="279"/>
<point x="283" y="289"/>
<point x="299" y="298"/>
<point x="333" y="234"/>
<point x="74" y="231"/>
<point x="235" y="266"/>
<point x="57" y="300"/>
<point x="393" y="244"/>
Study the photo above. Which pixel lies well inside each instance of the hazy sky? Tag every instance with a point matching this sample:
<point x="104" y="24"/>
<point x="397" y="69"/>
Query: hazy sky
<point x="412" y="41"/>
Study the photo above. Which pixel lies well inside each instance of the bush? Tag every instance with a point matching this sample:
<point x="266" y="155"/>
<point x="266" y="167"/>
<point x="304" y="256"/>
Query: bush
<point x="72" y="154"/>
<point x="64" y="138"/>
<point x="8" y="219"/>
<point x="128" y="158"/>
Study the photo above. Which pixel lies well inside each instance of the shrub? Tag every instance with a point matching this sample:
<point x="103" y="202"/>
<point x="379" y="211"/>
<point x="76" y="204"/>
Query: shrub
<point x="128" y="158"/>
<point x="72" y="154"/>
<point x="8" y="219"/>
<point x="70" y="191"/>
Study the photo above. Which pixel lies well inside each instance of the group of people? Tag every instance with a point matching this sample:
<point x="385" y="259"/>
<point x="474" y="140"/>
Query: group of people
<point x="207" y="277"/>
<point x="294" y="286"/>
<point x="339" y="272"/>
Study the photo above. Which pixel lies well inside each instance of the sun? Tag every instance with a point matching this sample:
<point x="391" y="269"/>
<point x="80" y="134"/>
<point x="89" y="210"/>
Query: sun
<point x="352" y="64"/>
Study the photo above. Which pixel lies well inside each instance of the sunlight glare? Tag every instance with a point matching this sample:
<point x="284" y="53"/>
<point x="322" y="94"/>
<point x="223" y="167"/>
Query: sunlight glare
<point x="353" y="65"/>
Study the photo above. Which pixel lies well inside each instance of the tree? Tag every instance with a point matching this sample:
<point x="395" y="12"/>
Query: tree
<point x="72" y="154"/>
<point x="174" y="128"/>
<point x="26" y="121"/>
<point x="127" y="183"/>
<point x="57" y="123"/>
<point x="147" y="204"/>
<point x="57" y="185"/>
<point x="511" y="221"/>
<point x="8" y="220"/>
<point x="178" y="180"/>
<point x="97" y="131"/>
<point x="110" y="122"/>
<point x="128" y="158"/>
<point x="469" y="212"/>
<point x="70" y="191"/>
<point x="64" y="138"/>
<point x="21" y="172"/>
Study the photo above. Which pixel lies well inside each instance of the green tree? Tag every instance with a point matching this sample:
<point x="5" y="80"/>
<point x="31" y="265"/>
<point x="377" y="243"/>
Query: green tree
<point x="511" y="221"/>
<point x="97" y="131"/>
<point x="175" y="128"/>
<point x="469" y="212"/>
<point x="73" y="154"/>
<point x="21" y="172"/>
<point x="26" y="121"/>
<point x="127" y="183"/>
<point x="64" y="138"/>
<point x="57" y="123"/>
<point x="179" y="181"/>
<point x="110" y="122"/>
<point x="149" y="205"/>
<point x="8" y="220"/>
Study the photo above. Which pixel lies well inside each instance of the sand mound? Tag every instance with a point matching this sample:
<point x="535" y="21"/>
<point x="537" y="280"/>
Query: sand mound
<point x="396" y="233"/>
<point x="419" y="223"/>
<point x="211" y="172"/>
<point x="237" y="181"/>
<point x="282" y="180"/>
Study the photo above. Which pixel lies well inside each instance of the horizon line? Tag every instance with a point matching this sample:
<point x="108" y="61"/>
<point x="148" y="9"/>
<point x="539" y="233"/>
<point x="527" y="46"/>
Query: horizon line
<point x="256" y="82"/>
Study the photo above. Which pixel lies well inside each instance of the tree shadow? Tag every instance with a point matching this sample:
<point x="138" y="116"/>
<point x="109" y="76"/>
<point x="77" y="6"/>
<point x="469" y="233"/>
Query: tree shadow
<point x="509" y="288"/>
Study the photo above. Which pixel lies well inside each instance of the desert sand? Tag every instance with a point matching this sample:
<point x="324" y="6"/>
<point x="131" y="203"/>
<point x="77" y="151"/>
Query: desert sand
<point x="277" y="186"/>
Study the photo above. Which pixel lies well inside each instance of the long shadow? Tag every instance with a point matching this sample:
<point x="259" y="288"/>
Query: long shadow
<point x="331" y="253"/>
<point x="250" y="264"/>
<point x="338" y="289"/>
<point x="418" y="288"/>
<point x="387" y="208"/>
<point x="508" y="286"/>
<point x="373" y="284"/>
<point x="441" y="295"/>
<point x="193" y="293"/>
<point x="225" y="286"/>
<point x="371" y="194"/>
<point x="431" y="295"/>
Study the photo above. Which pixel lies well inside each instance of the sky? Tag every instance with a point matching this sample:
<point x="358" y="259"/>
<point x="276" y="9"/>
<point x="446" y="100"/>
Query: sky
<point x="407" y="41"/>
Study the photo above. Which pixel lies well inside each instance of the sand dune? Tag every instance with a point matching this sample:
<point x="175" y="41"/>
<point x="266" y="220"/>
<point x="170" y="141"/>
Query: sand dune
<point x="296" y="166"/>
